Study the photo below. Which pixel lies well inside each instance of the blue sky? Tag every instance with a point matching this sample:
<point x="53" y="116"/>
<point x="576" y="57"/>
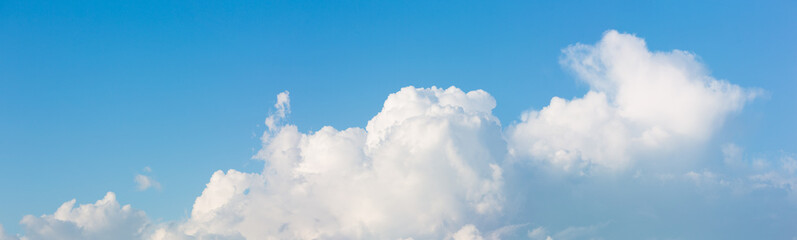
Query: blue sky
<point x="94" y="92"/>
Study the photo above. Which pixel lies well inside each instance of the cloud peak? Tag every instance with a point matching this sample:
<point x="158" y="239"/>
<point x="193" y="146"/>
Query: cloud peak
<point x="435" y="163"/>
<point x="638" y="101"/>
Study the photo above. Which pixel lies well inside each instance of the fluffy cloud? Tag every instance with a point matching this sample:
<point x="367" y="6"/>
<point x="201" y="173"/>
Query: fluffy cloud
<point x="423" y="167"/>
<point x="436" y="164"/>
<point x="467" y="232"/>
<point x="638" y="101"/>
<point x="105" y="219"/>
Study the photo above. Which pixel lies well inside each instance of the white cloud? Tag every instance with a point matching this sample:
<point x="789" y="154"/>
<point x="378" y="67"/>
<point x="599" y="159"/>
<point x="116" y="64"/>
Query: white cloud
<point x="283" y="107"/>
<point x="144" y="182"/>
<point x="423" y="167"/>
<point x="467" y="232"/>
<point x="429" y="164"/>
<point x="639" y="100"/>
<point x="105" y="219"/>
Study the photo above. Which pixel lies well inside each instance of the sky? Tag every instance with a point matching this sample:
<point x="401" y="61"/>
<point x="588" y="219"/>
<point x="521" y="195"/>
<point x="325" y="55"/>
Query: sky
<point x="395" y="120"/>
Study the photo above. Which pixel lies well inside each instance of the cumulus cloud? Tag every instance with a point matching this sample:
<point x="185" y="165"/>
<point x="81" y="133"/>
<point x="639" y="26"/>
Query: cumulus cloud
<point x="638" y="101"/>
<point x="423" y="167"/>
<point x="435" y="163"/>
<point x="467" y="232"/>
<point x="104" y="219"/>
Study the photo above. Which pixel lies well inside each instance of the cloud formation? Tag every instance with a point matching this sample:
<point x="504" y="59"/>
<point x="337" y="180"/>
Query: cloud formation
<point x="638" y="101"/>
<point x="105" y="219"/>
<point x="422" y="167"/>
<point x="435" y="163"/>
<point x="467" y="232"/>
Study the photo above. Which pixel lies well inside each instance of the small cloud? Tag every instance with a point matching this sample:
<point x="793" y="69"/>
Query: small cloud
<point x="283" y="107"/>
<point x="144" y="182"/>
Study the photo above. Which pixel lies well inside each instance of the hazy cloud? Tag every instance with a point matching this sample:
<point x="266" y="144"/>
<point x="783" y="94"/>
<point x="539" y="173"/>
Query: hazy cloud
<point x="144" y="182"/>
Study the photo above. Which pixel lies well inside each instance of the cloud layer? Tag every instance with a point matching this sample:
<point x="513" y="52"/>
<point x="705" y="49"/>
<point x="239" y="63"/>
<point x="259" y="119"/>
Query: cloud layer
<point x="436" y="164"/>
